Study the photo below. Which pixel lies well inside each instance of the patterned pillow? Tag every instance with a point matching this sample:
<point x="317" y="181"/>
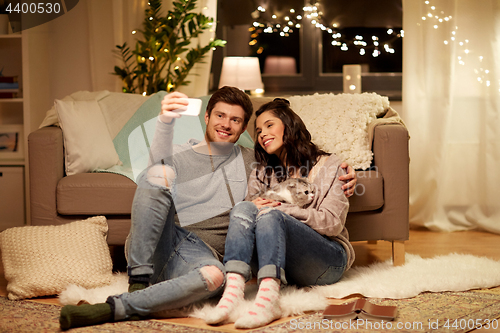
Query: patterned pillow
<point x="44" y="260"/>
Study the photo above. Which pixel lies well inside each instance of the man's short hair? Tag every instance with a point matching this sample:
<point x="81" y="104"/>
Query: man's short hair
<point x="232" y="96"/>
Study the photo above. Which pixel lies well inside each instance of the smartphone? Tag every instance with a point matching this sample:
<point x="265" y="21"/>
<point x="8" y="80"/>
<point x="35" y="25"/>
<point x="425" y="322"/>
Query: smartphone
<point x="193" y="108"/>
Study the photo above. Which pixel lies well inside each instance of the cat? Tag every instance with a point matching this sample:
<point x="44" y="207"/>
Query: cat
<point x="296" y="191"/>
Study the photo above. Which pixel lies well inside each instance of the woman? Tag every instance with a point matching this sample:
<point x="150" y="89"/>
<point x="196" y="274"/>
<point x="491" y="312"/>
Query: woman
<point x="292" y="245"/>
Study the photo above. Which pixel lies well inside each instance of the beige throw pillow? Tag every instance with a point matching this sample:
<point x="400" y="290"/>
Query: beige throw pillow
<point x="87" y="143"/>
<point x="44" y="260"/>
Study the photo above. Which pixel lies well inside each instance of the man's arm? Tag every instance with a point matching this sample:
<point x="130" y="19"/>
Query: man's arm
<point x="350" y="176"/>
<point x="162" y="145"/>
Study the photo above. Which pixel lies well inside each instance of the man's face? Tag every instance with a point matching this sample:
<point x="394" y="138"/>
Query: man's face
<point x="225" y="124"/>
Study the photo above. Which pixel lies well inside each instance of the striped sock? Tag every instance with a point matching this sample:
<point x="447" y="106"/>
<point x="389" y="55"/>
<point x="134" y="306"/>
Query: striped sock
<point x="265" y="308"/>
<point x="233" y="294"/>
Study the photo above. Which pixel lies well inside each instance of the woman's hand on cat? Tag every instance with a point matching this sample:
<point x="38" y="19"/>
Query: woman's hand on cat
<point x="259" y="202"/>
<point x="351" y="179"/>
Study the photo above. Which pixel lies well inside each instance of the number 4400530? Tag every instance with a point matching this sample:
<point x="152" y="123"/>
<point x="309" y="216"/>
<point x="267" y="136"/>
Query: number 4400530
<point x="471" y="324"/>
<point x="34" y="8"/>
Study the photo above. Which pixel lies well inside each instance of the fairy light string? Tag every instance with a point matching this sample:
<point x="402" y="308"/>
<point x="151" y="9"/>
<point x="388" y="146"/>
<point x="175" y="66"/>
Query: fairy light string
<point x="291" y="21"/>
<point x="437" y="18"/>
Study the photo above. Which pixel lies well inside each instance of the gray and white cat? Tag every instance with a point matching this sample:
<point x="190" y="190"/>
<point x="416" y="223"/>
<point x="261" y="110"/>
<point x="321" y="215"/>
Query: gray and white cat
<point x="297" y="191"/>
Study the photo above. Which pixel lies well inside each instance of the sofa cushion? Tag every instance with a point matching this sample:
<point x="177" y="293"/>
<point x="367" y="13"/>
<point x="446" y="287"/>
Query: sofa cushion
<point x="369" y="194"/>
<point x="87" y="142"/>
<point x="112" y="194"/>
<point x="95" y="193"/>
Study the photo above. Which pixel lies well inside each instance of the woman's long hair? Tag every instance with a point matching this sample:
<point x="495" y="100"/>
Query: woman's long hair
<point x="300" y="153"/>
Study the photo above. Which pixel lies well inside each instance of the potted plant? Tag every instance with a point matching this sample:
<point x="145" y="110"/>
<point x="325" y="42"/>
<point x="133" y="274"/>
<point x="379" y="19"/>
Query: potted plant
<point x="163" y="56"/>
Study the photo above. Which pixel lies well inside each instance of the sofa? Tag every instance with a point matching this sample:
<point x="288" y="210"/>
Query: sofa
<point x="378" y="212"/>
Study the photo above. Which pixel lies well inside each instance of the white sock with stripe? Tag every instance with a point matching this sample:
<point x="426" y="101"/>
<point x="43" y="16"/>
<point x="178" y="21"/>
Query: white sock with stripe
<point x="232" y="296"/>
<point x="266" y="307"/>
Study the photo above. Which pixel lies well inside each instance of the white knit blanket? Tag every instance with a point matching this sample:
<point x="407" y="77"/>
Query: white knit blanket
<point x="339" y="123"/>
<point x="454" y="272"/>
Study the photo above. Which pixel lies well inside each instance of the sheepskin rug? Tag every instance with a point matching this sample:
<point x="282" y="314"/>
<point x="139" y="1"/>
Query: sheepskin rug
<point x="453" y="272"/>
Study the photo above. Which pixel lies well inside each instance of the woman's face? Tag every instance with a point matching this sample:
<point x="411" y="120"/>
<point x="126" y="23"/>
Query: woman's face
<point x="270" y="130"/>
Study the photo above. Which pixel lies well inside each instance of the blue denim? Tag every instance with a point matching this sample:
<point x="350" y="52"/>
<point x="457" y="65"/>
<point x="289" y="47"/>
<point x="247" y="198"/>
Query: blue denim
<point x="172" y="256"/>
<point x="284" y="247"/>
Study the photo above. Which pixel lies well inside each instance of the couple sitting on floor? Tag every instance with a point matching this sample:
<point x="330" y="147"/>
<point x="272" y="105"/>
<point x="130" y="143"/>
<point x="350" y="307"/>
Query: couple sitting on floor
<point x="193" y="207"/>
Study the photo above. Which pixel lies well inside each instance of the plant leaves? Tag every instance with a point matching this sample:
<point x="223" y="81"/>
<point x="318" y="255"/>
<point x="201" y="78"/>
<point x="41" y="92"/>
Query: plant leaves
<point x="172" y="31"/>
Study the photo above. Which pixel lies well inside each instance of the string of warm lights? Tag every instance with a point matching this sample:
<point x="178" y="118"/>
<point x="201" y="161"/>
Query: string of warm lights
<point x="313" y="13"/>
<point x="284" y="26"/>
<point x="436" y="18"/>
<point x="292" y="20"/>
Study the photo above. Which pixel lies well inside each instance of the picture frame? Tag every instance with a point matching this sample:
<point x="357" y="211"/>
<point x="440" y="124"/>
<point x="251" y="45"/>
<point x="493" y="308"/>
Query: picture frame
<point x="11" y="142"/>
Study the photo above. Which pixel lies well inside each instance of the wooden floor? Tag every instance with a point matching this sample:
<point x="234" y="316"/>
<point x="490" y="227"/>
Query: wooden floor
<point x="422" y="242"/>
<point x="429" y="244"/>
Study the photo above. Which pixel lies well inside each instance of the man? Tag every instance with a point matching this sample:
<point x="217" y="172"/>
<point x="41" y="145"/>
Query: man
<point x="172" y="265"/>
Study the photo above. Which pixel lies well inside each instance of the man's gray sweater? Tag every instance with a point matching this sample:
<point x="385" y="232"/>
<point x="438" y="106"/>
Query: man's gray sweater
<point x="203" y="184"/>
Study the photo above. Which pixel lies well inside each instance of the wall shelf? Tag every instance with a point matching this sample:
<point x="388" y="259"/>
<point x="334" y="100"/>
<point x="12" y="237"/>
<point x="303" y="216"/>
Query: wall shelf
<point x="16" y="35"/>
<point x="11" y="100"/>
<point x="15" y="111"/>
<point x="12" y="162"/>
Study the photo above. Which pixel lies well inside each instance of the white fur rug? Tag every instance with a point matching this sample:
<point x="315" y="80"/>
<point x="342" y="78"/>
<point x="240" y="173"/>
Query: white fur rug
<point x="454" y="272"/>
<point x="293" y="301"/>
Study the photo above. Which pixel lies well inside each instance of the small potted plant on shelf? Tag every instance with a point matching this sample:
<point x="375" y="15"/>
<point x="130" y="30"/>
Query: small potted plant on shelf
<point x="164" y="56"/>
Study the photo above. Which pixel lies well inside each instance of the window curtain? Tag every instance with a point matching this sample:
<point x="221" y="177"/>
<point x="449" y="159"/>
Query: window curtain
<point x="111" y="23"/>
<point x="451" y="99"/>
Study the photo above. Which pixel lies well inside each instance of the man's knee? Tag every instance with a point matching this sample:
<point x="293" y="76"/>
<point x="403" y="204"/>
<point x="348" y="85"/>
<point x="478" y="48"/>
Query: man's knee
<point x="160" y="175"/>
<point x="213" y="276"/>
<point x="246" y="205"/>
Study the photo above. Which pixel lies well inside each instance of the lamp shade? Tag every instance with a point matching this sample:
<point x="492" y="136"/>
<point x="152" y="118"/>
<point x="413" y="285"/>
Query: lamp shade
<point x="241" y="72"/>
